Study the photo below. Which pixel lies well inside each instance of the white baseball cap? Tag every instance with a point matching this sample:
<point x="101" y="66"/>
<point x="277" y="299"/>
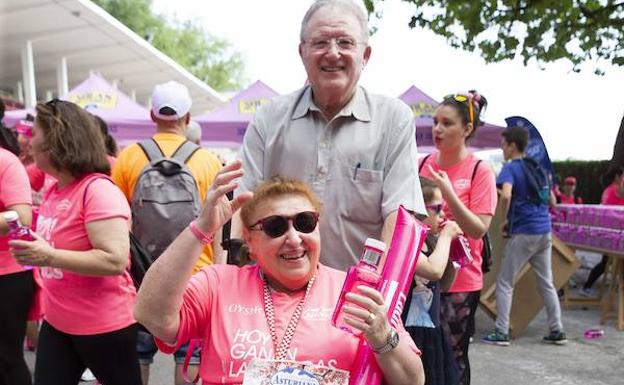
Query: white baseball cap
<point x="173" y="95"/>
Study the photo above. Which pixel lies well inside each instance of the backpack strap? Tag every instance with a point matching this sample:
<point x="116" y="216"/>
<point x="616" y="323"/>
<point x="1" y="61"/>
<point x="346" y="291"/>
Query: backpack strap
<point x="422" y="164"/>
<point x="185" y="151"/>
<point x="474" y="171"/>
<point x="151" y="149"/>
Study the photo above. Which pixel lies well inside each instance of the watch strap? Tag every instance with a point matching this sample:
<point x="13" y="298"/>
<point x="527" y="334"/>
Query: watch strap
<point x="391" y="343"/>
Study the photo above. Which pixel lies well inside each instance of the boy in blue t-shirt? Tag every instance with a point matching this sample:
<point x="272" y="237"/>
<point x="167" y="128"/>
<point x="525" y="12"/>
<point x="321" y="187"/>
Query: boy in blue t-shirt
<point x="528" y="225"/>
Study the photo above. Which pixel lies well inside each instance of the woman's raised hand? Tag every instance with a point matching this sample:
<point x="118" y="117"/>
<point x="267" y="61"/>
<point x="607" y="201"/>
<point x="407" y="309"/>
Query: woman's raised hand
<point x="369" y="316"/>
<point x="441" y="180"/>
<point x="218" y="209"/>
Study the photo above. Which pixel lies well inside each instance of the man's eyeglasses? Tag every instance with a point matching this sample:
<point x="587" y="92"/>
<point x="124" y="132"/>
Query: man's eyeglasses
<point x="343" y="44"/>
<point x="277" y="225"/>
<point x="463" y="99"/>
<point x="437" y="209"/>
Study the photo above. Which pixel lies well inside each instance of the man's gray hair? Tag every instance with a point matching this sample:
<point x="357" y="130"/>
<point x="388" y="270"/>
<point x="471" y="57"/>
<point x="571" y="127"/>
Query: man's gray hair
<point x="347" y="5"/>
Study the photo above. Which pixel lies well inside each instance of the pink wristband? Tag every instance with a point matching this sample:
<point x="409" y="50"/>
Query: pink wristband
<point x="200" y="235"/>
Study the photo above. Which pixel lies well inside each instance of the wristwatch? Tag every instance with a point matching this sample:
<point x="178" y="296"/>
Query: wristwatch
<point x="391" y="343"/>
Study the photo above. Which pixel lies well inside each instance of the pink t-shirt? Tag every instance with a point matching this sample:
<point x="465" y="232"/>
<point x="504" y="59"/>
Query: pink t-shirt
<point x="479" y="195"/>
<point x="223" y="305"/>
<point x="14" y="190"/>
<point x="609" y="196"/>
<point x="76" y="303"/>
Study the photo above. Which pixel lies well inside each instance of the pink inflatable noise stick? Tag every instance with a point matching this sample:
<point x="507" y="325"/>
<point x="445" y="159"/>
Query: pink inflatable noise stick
<point x="397" y="274"/>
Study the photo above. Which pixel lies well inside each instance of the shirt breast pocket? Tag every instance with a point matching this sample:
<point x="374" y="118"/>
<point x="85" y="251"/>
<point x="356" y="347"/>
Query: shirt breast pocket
<point x="362" y="191"/>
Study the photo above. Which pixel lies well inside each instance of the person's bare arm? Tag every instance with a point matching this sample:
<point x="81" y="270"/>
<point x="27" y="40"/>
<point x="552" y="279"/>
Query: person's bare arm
<point x="109" y="255"/>
<point x="473" y="225"/>
<point x="161" y="295"/>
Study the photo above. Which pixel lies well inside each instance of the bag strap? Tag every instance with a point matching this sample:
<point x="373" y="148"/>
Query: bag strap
<point x="226" y="229"/>
<point x="422" y="164"/>
<point x="90" y="179"/>
<point x="187" y="360"/>
<point x="185" y="151"/>
<point x="151" y="149"/>
<point x="474" y="171"/>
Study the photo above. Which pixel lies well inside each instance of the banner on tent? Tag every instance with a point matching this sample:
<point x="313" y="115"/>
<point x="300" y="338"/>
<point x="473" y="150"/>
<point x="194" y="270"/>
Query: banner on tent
<point x="422" y="110"/>
<point x="250" y="106"/>
<point x="94" y="99"/>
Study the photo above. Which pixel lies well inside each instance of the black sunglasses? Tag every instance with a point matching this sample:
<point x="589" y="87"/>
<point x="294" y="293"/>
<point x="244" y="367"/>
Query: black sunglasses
<point x="276" y="225"/>
<point x="435" y="208"/>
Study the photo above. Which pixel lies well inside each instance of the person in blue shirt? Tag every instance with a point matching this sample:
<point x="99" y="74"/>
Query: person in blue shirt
<point x="528" y="227"/>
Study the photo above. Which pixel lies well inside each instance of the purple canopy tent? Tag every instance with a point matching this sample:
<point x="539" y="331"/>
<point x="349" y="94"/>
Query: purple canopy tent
<point x="127" y="121"/>
<point x="225" y="126"/>
<point x="423" y="106"/>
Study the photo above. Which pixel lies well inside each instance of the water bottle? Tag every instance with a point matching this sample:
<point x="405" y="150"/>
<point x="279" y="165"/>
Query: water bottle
<point x="365" y="273"/>
<point x="460" y="251"/>
<point x="593" y="334"/>
<point x="17" y="231"/>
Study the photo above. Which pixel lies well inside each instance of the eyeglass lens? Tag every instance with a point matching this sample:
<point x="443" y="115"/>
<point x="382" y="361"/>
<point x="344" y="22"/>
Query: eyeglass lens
<point x="276" y="225"/>
<point x="435" y="208"/>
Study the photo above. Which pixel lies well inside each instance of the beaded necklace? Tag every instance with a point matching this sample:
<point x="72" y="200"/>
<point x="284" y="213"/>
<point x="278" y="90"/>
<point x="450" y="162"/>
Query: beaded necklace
<point x="269" y="311"/>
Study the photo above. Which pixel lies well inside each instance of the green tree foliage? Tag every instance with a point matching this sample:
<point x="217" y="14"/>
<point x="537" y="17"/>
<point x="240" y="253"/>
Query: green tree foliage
<point x="545" y="30"/>
<point x="209" y="58"/>
<point x="589" y="175"/>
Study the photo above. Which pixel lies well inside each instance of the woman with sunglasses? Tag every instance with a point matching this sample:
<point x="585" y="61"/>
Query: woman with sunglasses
<point x="469" y="192"/>
<point x="434" y="273"/>
<point x="82" y="247"/>
<point x="278" y="309"/>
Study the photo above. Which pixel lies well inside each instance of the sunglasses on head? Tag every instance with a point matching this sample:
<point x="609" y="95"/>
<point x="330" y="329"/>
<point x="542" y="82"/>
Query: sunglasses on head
<point x="463" y="99"/>
<point x="435" y="208"/>
<point x="277" y="225"/>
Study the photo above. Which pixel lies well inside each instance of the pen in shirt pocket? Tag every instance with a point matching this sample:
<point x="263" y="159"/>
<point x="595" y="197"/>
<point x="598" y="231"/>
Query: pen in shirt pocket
<point x="355" y="171"/>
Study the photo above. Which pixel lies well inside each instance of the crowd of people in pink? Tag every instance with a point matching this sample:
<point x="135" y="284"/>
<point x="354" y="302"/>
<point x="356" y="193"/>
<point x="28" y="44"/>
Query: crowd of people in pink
<point x="320" y="170"/>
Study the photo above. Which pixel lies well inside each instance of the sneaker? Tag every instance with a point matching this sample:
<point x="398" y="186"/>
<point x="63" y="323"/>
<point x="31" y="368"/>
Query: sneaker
<point x="497" y="338"/>
<point x="589" y="292"/>
<point x="87" y="375"/>
<point x="556" y="337"/>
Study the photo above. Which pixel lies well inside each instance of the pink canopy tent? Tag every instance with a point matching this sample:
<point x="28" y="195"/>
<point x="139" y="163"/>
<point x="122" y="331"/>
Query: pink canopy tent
<point x="127" y="121"/>
<point x="423" y="106"/>
<point x="226" y="126"/>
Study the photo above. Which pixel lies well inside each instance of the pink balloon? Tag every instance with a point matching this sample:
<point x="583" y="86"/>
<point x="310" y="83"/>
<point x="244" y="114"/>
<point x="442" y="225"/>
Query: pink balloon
<point x="398" y="271"/>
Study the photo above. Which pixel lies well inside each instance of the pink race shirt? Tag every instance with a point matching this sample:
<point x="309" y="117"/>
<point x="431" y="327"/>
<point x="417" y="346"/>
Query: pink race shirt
<point x="75" y="303"/>
<point x="223" y="305"/>
<point x="479" y="196"/>
<point x="609" y="196"/>
<point x="14" y="190"/>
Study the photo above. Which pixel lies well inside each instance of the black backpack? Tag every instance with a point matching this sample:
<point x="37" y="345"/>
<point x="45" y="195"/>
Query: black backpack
<point x="537" y="181"/>
<point x="486" y="250"/>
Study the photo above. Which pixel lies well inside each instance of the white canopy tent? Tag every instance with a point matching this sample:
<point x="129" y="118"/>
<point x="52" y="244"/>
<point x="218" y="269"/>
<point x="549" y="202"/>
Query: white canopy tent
<point x="49" y="46"/>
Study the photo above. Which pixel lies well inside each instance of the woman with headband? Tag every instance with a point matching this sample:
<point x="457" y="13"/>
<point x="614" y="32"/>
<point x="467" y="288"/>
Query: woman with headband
<point x="469" y="192"/>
